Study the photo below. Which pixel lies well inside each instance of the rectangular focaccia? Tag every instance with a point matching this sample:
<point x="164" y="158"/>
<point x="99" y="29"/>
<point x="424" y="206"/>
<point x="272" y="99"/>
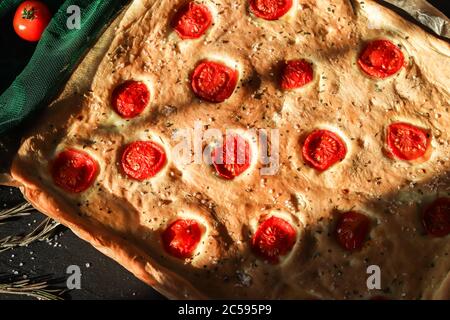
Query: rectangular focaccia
<point x="360" y="100"/>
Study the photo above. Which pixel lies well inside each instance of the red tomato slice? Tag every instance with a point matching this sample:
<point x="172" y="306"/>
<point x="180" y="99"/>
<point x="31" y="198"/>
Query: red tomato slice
<point x="323" y="148"/>
<point x="407" y="142"/>
<point x="381" y="59"/>
<point x="192" y="20"/>
<point x="274" y="238"/>
<point x="213" y="81"/>
<point x="130" y="99"/>
<point x="270" y="9"/>
<point x="295" y="74"/>
<point x="233" y="158"/>
<point x="436" y="218"/>
<point x="74" y="170"/>
<point x="31" y="19"/>
<point x="351" y="230"/>
<point x="143" y="159"/>
<point x="181" y="238"/>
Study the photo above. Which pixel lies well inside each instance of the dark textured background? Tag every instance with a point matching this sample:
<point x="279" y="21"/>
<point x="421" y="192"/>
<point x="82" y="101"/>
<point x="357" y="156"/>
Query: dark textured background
<point x="102" y="278"/>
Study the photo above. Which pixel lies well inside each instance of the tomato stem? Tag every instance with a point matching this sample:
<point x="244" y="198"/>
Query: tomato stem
<point x="29" y="14"/>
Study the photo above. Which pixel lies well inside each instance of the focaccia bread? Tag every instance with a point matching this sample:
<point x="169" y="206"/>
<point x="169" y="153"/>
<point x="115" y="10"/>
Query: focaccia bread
<point x="355" y="98"/>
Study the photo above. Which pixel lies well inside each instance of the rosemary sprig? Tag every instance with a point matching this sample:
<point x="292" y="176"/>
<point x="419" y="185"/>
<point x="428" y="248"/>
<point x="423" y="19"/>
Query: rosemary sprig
<point x="20" y="210"/>
<point x="42" y="232"/>
<point x="39" y="288"/>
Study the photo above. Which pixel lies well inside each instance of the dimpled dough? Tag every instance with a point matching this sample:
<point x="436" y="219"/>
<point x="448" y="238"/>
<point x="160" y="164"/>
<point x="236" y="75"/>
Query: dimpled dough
<point x="124" y="218"/>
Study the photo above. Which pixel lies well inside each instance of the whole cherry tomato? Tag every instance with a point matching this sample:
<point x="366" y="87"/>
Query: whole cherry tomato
<point x="31" y="19"/>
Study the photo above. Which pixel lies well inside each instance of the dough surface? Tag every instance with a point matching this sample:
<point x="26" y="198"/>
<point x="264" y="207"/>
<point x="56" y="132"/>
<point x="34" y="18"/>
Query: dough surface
<point x="124" y="218"/>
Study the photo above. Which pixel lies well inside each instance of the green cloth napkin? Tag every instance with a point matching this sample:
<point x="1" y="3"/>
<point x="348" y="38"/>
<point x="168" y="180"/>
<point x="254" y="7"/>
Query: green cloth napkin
<point x="55" y="57"/>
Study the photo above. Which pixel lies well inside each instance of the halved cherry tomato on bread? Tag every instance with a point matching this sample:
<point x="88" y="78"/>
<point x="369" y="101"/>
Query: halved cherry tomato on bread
<point x="381" y="59"/>
<point x="323" y="148"/>
<point x="130" y="98"/>
<point x="407" y="142"/>
<point x="192" y="20"/>
<point x="74" y="170"/>
<point x="213" y="81"/>
<point x="143" y="159"/>
<point x="233" y="157"/>
<point x="31" y="19"/>
<point x="295" y="74"/>
<point x="181" y="238"/>
<point x="270" y="9"/>
<point x="436" y="218"/>
<point x="351" y="230"/>
<point x="274" y="238"/>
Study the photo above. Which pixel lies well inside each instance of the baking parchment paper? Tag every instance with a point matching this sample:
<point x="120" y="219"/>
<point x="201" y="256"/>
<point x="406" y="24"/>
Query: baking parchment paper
<point x="424" y="13"/>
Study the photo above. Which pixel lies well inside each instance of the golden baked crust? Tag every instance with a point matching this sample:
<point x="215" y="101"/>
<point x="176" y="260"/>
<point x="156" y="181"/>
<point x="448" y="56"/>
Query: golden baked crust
<point x="124" y="218"/>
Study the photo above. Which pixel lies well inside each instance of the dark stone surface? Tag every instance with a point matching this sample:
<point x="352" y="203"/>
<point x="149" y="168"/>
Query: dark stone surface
<point x="102" y="278"/>
<point x="442" y="5"/>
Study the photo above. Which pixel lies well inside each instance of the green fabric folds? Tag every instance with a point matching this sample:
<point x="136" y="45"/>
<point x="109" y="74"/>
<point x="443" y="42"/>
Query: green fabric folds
<point x="55" y="57"/>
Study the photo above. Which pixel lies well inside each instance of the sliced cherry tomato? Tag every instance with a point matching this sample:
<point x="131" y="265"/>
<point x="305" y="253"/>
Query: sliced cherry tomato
<point x="323" y="148"/>
<point x="143" y="159"/>
<point x="295" y="74"/>
<point x="213" y="81"/>
<point x="192" y="20"/>
<point x="274" y="238"/>
<point x="352" y="229"/>
<point x="436" y="218"/>
<point x="270" y="9"/>
<point x="381" y="59"/>
<point x="233" y="157"/>
<point x="181" y="238"/>
<point x="31" y="19"/>
<point x="74" y="170"/>
<point x="407" y="142"/>
<point x="130" y="99"/>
